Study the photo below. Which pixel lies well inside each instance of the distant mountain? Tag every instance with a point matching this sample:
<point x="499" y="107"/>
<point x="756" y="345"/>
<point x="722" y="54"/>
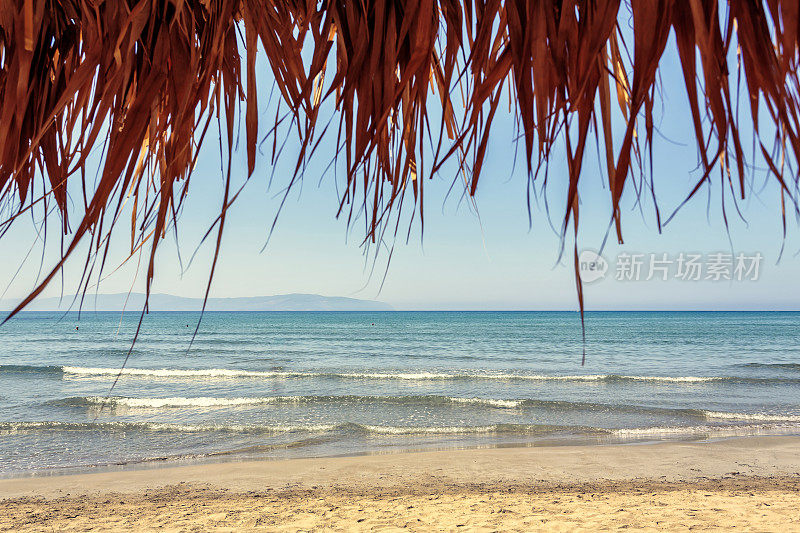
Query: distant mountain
<point x="168" y="302"/>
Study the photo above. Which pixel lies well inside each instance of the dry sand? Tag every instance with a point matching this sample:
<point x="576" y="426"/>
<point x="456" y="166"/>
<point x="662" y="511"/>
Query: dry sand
<point x="748" y="483"/>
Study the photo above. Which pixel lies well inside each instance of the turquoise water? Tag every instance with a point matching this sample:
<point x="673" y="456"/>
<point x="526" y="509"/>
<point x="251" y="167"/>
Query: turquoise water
<point x="314" y="384"/>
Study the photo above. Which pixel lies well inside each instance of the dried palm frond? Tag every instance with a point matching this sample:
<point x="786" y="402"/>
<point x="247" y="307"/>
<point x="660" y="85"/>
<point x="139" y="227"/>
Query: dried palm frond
<point x="141" y="80"/>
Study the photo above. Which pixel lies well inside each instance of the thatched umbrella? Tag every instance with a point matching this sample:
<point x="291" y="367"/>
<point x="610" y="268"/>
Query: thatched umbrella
<point x="414" y="83"/>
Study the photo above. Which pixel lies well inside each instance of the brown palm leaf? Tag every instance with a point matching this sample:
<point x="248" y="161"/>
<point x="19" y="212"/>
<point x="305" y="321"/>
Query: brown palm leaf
<point x="142" y="79"/>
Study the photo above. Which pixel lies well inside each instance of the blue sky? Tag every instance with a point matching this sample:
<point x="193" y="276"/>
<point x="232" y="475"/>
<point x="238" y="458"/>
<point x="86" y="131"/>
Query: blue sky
<point x="497" y="262"/>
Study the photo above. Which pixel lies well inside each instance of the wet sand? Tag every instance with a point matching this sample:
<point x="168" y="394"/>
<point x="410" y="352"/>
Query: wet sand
<point x="745" y="483"/>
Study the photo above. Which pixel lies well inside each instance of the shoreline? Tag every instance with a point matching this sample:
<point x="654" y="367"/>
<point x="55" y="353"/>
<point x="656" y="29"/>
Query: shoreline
<point x="673" y="461"/>
<point x="221" y="458"/>
<point x="748" y="482"/>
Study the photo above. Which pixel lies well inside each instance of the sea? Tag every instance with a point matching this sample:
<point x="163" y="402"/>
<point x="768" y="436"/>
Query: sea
<point x="276" y="385"/>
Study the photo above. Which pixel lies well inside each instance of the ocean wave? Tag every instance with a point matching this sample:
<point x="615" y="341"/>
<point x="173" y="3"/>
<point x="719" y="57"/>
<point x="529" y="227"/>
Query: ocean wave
<point x="31" y="369"/>
<point x="205" y="401"/>
<point x="9" y="428"/>
<point x="505" y="404"/>
<point x="433" y="400"/>
<point x="350" y="428"/>
<point x="156" y="403"/>
<point x="226" y="373"/>
<point x="461" y="430"/>
<point x="426" y="400"/>
<point x="168" y="373"/>
<point x="410" y="376"/>
<point x="706" y="431"/>
<point x="752" y="416"/>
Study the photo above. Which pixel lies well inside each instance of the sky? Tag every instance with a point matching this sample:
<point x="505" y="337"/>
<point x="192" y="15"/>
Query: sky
<point x="463" y="261"/>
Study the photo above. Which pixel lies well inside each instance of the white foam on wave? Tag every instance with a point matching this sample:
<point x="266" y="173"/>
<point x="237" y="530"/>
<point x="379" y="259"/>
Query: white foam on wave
<point x="505" y="404"/>
<point x="443" y="430"/>
<point x="167" y="372"/>
<point x="240" y="428"/>
<point x="233" y="373"/>
<point x="412" y="376"/>
<point x="541" y="377"/>
<point x="670" y="379"/>
<point x="400" y="375"/>
<point x="709" y="431"/>
<point x="202" y="401"/>
<point x="20" y="427"/>
<point x="752" y="416"/>
<point x="206" y="401"/>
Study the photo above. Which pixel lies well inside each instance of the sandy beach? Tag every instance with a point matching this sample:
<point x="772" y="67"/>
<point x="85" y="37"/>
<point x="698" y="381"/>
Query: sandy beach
<point x="747" y="483"/>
